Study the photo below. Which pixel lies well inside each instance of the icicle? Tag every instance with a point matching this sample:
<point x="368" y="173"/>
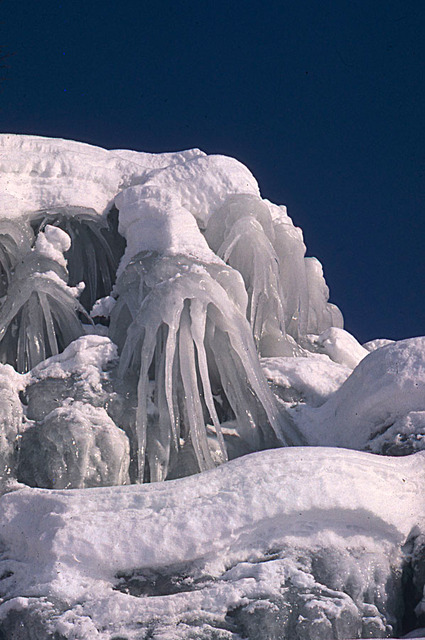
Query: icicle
<point x="94" y="253"/>
<point x="146" y="356"/>
<point x="241" y="232"/>
<point x="160" y="437"/>
<point x="198" y="317"/>
<point x="290" y="250"/>
<point x="15" y="241"/>
<point x="50" y="326"/>
<point x="321" y="315"/>
<point x="40" y="304"/>
<point x="188" y="373"/>
<point x="178" y="328"/>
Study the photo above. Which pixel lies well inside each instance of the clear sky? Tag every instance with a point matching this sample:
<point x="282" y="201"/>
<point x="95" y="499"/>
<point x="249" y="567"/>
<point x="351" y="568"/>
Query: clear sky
<point x="323" y="100"/>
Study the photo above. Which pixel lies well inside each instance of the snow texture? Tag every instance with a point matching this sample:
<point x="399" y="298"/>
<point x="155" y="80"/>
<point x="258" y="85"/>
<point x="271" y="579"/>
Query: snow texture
<point x="310" y="550"/>
<point x="159" y="318"/>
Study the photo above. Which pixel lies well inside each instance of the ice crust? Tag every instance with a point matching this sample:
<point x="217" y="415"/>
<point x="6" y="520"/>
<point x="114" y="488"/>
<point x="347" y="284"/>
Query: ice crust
<point x="214" y="338"/>
<point x="43" y="173"/>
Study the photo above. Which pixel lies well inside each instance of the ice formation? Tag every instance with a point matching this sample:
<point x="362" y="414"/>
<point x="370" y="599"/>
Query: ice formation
<point x="158" y="318"/>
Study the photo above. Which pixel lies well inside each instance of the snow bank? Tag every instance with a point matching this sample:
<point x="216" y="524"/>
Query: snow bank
<point x="209" y="550"/>
<point x="386" y="386"/>
<point x="40" y="173"/>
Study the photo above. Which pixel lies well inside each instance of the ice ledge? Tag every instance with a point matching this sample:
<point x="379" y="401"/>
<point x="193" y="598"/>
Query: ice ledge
<point x="38" y="173"/>
<point x="251" y="501"/>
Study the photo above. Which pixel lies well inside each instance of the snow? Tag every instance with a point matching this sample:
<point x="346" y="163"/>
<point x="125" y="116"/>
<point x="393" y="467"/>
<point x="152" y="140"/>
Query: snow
<point x="216" y="342"/>
<point x="39" y="173"/>
<point x="341" y="347"/>
<point x="311" y="379"/>
<point x="70" y="546"/>
<point x="150" y="224"/>
<point x="386" y="386"/>
<point x="53" y="243"/>
<point x="87" y="355"/>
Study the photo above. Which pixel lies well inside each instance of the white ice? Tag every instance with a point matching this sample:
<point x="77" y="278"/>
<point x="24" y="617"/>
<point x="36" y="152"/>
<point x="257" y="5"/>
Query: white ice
<point x="217" y="339"/>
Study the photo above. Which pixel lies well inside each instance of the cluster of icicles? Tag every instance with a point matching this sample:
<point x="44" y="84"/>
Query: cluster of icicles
<point x="191" y="309"/>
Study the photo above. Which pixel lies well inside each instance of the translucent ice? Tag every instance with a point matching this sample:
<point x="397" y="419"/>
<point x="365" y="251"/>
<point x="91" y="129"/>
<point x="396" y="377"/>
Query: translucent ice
<point x="39" y="314"/>
<point x="94" y="248"/>
<point x="15" y="239"/>
<point x="321" y="314"/>
<point x="241" y="233"/>
<point x="179" y="319"/>
<point x="74" y="447"/>
<point x="190" y="276"/>
<point x="186" y="333"/>
<point x="11" y="417"/>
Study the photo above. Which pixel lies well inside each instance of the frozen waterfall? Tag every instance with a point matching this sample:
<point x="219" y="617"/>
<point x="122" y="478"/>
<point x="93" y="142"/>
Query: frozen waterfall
<point x="210" y="276"/>
<point x="158" y="319"/>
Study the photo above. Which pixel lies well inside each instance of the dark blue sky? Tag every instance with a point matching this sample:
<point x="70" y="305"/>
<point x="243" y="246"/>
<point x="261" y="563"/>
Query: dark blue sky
<point x="323" y="100"/>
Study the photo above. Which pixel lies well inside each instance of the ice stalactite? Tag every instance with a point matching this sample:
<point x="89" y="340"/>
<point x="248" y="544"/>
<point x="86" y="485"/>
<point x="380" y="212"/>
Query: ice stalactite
<point x="15" y="239"/>
<point x="305" y="292"/>
<point x="95" y="250"/>
<point x="241" y="233"/>
<point x="197" y="275"/>
<point x="290" y="250"/>
<point x="39" y="313"/>
<point x="288" y="296"/>
<point x="321" y="314"/>
<point x="182" y="312"/>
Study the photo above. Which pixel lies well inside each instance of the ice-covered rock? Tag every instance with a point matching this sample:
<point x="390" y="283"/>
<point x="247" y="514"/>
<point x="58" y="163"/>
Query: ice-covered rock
<point x="191" y="276"/>
<point x="406" y="435"/>
<point x="81" y="372"/>
<point x="74" y="447"/>
<point x="11" y="418"/>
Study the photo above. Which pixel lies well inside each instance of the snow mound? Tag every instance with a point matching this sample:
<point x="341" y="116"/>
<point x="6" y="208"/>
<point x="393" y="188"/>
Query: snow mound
<point x="382" y="390"/>
<point x="310" y="550"/>
<point x="40" y="173"/>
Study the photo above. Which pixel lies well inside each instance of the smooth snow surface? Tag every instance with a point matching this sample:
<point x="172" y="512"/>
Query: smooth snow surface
<point x="385" y="387"/>
<point x="159" y="318"/>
